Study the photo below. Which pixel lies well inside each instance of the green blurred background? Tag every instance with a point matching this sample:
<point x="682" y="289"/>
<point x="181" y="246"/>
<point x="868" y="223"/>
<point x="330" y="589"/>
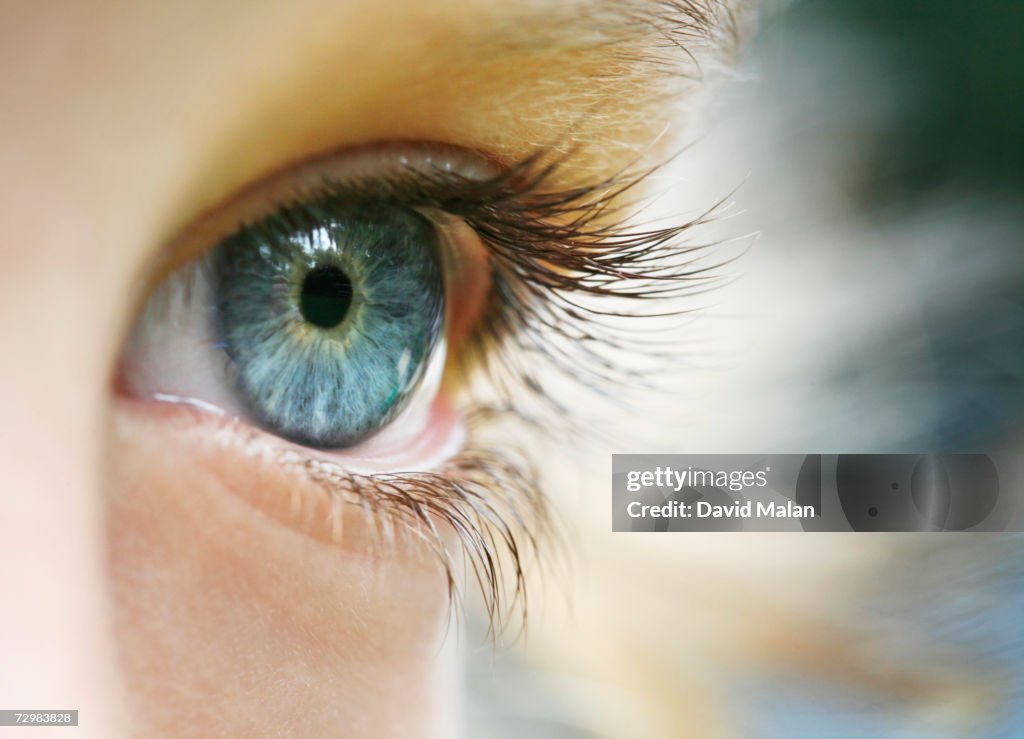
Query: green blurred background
<point x="960" y="66"/>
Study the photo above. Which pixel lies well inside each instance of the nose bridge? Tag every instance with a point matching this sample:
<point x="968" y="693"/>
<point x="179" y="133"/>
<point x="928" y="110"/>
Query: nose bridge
<point x="58" y="331"/>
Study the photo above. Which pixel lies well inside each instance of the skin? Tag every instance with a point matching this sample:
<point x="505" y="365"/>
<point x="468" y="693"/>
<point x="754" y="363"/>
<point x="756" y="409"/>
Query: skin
<point x="153" y="570"/>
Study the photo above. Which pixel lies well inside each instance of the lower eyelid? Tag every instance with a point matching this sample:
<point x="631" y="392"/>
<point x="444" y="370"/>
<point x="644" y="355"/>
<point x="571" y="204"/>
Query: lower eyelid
<point x="420" y="444"/>
<point x="202" y="541"/>
<point x="268" y="474"/>
<point x="482" y="512"/>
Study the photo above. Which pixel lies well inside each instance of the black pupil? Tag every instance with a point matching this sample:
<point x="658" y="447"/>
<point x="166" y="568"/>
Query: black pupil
<point x="326" y="296"/>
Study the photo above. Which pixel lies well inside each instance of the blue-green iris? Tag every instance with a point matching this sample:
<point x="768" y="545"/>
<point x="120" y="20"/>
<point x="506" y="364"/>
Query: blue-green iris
<point x="329" y="311"/>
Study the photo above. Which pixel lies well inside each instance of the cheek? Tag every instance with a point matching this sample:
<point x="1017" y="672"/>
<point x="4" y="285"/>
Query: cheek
<point x="239" y="623"/>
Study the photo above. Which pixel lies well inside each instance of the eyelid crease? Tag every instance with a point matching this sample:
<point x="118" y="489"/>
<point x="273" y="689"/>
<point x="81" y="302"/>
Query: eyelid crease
<point x="311" y="178"/>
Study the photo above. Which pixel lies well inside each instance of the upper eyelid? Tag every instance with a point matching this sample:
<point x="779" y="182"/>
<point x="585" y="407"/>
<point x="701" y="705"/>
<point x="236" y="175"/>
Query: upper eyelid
<point x="296" y="182"/>
<point x="500" y="54"/>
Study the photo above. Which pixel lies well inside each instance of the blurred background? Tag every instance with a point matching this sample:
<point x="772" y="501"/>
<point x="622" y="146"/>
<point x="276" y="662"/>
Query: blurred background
<point x="876" y="151"/>
<point x="881" y="150"/>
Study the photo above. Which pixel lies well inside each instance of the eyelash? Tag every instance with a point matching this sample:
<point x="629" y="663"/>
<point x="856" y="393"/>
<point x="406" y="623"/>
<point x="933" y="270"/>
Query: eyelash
<point x="552" y="251"/>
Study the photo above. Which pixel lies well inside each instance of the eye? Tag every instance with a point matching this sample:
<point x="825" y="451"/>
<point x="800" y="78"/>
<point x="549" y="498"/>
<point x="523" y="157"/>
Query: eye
<point x="329" y="312"/>
<point x="410" y="308"/>
<point x="321" y="320"/>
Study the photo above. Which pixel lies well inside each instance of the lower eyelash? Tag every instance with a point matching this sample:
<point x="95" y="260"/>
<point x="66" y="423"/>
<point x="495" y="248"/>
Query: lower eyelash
<point x="487" y="496"/>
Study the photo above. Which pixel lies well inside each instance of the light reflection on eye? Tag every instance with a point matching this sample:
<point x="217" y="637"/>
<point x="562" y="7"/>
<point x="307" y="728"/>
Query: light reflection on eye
<point x="329" y="312"/>
<point x="321" y="322"/>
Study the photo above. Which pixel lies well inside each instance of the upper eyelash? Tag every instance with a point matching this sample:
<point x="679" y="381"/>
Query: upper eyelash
<point x="550" y="247"/>
<point x="560" y="256"/>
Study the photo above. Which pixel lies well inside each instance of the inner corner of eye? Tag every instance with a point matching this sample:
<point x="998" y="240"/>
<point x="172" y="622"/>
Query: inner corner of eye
<point x="322" y="323"/>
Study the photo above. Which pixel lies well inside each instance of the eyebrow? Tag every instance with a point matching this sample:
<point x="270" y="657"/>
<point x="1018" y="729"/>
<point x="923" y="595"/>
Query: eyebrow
<point x="657" y="28"/>
<point x="624" y="66"/>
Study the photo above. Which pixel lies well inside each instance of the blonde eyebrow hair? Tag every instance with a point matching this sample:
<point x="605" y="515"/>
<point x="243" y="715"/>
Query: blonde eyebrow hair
<point x="634" y="61"/>
<point x="653" y="25"/>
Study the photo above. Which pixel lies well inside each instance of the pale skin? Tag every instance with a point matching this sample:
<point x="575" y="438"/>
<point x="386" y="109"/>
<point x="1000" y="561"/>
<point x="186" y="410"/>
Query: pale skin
<point x="144" y="578"/>
<point x="152" y="565"/>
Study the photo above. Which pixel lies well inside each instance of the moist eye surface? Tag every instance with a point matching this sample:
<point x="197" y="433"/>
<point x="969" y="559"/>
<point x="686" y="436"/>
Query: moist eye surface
<point x="329" y="311"/>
